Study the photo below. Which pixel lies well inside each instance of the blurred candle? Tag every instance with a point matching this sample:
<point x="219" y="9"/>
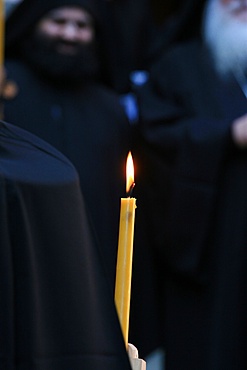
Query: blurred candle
<point x="2" y="29"/>
<point x="125" y="252"/>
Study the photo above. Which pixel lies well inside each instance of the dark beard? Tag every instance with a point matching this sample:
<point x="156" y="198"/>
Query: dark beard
<point x="70" y="70"/>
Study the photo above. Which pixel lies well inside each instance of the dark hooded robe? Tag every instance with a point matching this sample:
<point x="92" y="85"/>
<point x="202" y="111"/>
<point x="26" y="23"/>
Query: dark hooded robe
<point x="56" y="309"/>
<point x="196" y="180"/>
<point x="84" y="121"/>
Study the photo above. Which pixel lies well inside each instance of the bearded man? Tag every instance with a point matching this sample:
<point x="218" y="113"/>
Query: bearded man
<point x="52" y="56"/>
<point x="194" y="126"/>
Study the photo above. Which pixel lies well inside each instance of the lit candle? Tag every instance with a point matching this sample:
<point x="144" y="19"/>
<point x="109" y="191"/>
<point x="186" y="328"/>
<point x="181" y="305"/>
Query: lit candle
<point x="2" y="29"/>
<point x="125" y="252"/>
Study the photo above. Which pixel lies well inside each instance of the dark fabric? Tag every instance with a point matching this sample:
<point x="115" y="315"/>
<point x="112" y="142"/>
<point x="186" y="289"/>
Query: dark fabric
<point x="198" y="204"/>
<point x="126" y="37"/>
<point x="89" y="127"/>
<point x="56" y="308"/>
<point x="139" y="45"/>
<point x="181" y="24"/>
<point x="187" y="23"/>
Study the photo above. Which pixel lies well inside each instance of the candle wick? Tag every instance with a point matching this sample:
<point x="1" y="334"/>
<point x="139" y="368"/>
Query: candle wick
<point x="129" y="193"/>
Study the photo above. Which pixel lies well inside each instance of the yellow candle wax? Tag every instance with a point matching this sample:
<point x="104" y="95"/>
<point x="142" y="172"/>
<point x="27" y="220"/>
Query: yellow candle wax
<point x="124" y="263"/>
<point x="125" y="254"/>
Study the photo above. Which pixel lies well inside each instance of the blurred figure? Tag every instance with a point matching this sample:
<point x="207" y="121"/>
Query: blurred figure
<point x="56" y="307"/>
<point x="128" y="29"/>
<point x="10" y="5"/>
<point x="51" y="51"/>
<point x="194" y="125"/>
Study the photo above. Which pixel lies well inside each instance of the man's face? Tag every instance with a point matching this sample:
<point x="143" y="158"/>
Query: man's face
<point x="225" y="33"/>
<point x="68" y="27"/>
<point x="63" y="47"/>
<point x="237" y="8"/>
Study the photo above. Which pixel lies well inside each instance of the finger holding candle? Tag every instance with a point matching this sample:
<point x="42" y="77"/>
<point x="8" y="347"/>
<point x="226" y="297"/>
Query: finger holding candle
<point x="125" y="252"/>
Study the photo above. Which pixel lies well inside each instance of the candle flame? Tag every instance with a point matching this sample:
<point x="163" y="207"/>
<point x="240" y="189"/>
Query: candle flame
<point x="130" y="182"/>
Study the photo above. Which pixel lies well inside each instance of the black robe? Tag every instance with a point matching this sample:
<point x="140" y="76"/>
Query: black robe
<point x="88" y="125"/>
<point x="197" y="182"/>
<point x="56" y="308"/>
<point x="127" y="32"/>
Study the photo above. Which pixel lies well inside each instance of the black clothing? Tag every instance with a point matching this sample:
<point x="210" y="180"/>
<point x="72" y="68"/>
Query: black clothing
<point x="180" y="21"/>
<point x="88" y="126"/>
<point x="56" y="308"/>
<point x="186" y="24"/>
<point x="199" y="181"/>
<point x="127" y="33"/>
